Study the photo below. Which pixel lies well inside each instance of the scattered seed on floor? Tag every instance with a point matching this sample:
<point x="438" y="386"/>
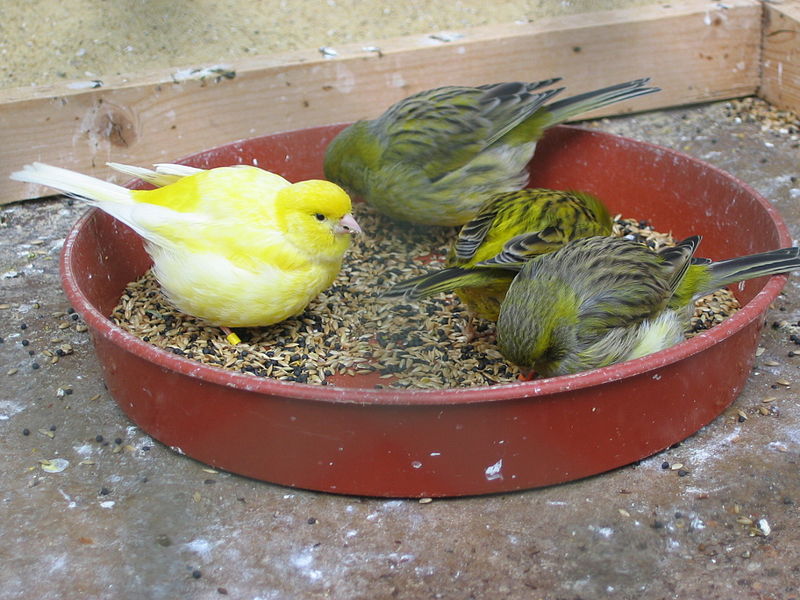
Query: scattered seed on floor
<point x="350" y="329"/>
<point x="770" y="118"/>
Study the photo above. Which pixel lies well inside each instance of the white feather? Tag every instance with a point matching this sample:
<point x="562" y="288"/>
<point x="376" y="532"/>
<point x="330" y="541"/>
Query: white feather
<point x="93" y="190"/>
<point x="111" y="198"/>
<point x="179" y="170"/>
<point x="656" y="334"/>
<point x="164" y="174"/>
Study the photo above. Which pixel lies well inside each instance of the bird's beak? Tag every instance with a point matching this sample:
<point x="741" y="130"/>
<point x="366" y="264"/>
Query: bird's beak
<point x="527" y="374"/>
<point x="347" y="224"/>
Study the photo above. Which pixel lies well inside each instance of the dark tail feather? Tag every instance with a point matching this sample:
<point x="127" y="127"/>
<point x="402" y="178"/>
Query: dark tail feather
<point x="427" y="284"/>
<point x="442" y="281"/>
<point x="567" y="108"/>
<point x="773" y="262"/>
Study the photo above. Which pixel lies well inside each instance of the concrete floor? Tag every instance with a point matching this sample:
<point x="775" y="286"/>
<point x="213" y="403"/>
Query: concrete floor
<point x="130" y="518"/>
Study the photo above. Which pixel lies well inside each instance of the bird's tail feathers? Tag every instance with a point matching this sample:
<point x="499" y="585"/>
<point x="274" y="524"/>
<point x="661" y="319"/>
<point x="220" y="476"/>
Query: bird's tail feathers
<point x="681" y="256"/>
<point x="445" y="280"/>
<point x="563" y="110"/>
<point x="164" y="173"/>
<point x="72" y="183"/>
<point x="741" y="268"/>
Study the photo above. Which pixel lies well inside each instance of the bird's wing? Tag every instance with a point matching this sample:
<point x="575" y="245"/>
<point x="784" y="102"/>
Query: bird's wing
<point x="225" y="210"/>
<point x="244" y="242"/>
<point x="620" y="282"/>
<point x="161" y="225"/>
<point x="515" y="226"/>
<point x="474" y="232"/>
<point x="507" y="105"/>
<point x="679" y="257"/>
<point x="445" y="128"/>
<point x="243" y="191"/>
<point x="501" y="217"/>
<point x="522" y="248"/>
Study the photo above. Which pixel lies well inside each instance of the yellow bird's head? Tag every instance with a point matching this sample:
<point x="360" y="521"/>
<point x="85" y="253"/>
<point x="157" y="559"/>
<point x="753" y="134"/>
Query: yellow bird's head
<point x="317" y="216"/>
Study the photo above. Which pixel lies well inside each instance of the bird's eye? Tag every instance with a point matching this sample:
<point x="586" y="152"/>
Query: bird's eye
<point x="319" y="217"/>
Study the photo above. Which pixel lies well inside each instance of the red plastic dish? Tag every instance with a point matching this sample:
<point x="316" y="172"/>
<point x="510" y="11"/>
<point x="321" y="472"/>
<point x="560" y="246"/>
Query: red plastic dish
<point x="354" y="439"/>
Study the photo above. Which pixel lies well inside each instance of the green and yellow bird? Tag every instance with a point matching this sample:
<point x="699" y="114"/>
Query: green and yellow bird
<point x="509" y="229"/>
<point x="602" y="300"/>
<point x="434" y="157"/>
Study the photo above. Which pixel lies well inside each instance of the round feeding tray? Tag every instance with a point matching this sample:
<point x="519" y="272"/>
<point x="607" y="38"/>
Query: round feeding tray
<point x="352" y="438"/>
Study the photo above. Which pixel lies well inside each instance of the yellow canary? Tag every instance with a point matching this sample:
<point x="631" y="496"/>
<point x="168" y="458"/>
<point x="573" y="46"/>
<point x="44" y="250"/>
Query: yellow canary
<point x="508" y="230"/>
<point x="237" y="246"/>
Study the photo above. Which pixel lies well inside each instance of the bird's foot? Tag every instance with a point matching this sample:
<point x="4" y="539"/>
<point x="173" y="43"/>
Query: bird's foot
<point x="232" y="338"/>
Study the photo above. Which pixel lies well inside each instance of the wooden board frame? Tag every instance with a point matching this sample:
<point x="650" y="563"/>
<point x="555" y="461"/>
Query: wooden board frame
<point x="695" y="50"/>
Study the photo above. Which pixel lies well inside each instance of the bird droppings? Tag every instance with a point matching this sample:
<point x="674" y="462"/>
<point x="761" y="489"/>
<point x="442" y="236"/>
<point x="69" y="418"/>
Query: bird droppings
<point x="55" y="465"/>
<point x="349" y="330"/>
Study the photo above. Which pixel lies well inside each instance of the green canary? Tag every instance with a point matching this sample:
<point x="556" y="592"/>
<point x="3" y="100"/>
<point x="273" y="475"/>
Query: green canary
<point x="602" y="300"/>
<point x="509" y="229"/>
<point x="434" y="157"/>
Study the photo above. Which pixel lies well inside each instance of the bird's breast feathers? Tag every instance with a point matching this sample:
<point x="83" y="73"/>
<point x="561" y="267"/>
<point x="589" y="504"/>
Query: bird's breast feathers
<point x="241" y="291"/>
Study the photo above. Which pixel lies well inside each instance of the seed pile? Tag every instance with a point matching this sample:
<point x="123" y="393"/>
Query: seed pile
<point x="770" y="118"/>
<point x="350" y="330"/>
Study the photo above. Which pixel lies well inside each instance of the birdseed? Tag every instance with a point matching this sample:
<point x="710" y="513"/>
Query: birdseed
<point x="768" y="117"/>
<point x="349" y="329"/>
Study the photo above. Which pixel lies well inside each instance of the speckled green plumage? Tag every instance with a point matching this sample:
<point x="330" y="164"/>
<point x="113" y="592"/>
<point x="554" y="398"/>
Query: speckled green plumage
<point x="434" y="157"/>
<point x="508" y="230"/>
<point x="601" y="300"/>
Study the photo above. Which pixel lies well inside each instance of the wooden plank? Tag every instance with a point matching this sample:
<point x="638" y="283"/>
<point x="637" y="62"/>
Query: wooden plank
<point x="694" y="50"/>
<point x="780" y="78"/>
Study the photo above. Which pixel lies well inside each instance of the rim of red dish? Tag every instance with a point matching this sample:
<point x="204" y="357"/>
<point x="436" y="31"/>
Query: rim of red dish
<point x="466" y="395"/>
